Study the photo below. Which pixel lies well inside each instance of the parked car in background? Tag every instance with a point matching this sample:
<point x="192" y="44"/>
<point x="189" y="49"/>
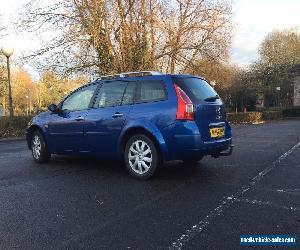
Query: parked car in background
<point x="144" y="118"/>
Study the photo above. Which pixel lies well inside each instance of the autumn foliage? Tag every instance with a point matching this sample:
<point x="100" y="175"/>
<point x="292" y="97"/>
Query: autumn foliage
<point x="31" y="96"/>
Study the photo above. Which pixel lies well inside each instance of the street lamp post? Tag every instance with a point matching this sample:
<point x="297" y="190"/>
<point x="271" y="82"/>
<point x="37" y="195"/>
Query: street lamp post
<point x="278" y="96"/>
<point x="8" y="52"/>
<point x="28" y="104"/>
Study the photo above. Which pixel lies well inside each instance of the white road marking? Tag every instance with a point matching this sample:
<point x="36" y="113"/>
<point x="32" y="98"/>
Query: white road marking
<point x="225" y="203"/>
<point x="296" y="190"/>
<point x="268" y="203"/>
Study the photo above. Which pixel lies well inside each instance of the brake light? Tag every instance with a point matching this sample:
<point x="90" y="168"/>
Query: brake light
<point x="185" y="107"/>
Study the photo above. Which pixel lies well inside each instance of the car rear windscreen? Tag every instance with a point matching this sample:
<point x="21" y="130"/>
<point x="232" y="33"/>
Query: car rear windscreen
<point x="196" y="88"/>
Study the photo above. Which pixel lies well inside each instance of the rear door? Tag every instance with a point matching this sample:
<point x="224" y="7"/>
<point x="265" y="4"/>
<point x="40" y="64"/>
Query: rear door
<point x="209" y="108"/>
<point x="105" y="121"/>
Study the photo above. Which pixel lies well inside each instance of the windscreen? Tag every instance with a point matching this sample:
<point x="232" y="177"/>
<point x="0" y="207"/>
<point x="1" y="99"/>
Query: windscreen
<point x="196" y="88"/>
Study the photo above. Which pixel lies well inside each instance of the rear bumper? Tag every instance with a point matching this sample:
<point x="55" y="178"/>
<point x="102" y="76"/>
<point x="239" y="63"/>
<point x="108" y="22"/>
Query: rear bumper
<point x="190" y="142"/>
<point x="192" y="147"/>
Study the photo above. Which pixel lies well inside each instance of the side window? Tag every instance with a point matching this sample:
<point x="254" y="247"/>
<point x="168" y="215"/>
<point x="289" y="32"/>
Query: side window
<point x="110" y="94"/>
<point x="128" y="97"/>
<point x="80" y="99"/>
<point x="152" y="91"/>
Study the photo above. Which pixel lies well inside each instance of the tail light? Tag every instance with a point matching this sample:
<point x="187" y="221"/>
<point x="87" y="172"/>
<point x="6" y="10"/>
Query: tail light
<point x="185" y="107"/>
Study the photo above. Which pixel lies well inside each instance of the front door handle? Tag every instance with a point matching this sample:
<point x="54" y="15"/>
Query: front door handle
<point x="116" y="115"/>
<point x="79" y="118"/>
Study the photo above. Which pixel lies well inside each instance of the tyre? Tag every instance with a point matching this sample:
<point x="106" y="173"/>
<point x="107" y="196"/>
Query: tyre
<point x="141" y="156"/>
<point x="39" y="148"/>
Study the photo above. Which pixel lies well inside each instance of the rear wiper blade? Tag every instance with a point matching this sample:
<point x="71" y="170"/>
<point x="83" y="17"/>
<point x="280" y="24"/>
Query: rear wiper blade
<point x="212" y="98"/>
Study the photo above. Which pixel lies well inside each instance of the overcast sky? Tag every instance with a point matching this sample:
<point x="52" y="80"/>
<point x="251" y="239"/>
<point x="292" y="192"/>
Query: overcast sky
<point x="253" y="20"/>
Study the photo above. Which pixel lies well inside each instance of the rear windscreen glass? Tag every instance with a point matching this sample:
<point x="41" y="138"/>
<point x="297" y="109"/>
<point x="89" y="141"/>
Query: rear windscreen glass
<point x="196" y="88"/>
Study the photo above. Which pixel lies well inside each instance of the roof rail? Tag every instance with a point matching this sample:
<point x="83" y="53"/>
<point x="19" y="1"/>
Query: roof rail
<point x="129" y="74"/>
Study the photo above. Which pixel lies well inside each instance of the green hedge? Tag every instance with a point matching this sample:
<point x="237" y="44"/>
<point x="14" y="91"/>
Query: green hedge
<point x="291" y="112"/>
<point x="14" y="127"/>
<point x="248" y="117"/>
<point x="254" y="117"/>
<point x="261" y="116"/>
<point x="271" y="115"/>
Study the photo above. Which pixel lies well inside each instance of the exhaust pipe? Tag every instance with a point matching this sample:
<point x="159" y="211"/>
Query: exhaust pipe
<point x="224" y="153"/>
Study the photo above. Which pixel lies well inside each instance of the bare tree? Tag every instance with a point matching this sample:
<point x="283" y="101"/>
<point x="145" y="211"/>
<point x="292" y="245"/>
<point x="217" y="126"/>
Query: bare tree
<point x="279" y="52"/>
<point x="111" y="36"/>
<point x="195" y="30"/>
<point x="3" y="74"/>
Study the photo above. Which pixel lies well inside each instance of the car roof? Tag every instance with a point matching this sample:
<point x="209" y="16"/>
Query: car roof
<point x="146" y="77"/>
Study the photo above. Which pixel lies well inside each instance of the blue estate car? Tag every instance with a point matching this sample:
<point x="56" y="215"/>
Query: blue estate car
<point x="145" y="118"/>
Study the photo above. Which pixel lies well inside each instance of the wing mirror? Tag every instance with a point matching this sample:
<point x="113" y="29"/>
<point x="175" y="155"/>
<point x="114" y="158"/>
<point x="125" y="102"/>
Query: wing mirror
<point x="53" y="108"/>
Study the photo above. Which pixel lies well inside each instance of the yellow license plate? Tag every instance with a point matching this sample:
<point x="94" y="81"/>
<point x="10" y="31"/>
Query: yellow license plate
<point x="217" y="132"/>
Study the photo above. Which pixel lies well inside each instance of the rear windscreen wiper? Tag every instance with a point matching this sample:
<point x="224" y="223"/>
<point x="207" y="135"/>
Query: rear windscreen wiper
<point x="212" y="98"/>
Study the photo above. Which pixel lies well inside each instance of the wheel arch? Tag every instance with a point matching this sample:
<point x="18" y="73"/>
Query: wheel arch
<point x="30" y="132"/>
<point x="155" y="137"/>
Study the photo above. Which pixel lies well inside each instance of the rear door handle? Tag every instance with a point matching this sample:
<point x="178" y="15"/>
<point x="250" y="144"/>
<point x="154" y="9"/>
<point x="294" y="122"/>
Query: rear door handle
<point x="79" y="118"/>
<point x="116" y="115"/>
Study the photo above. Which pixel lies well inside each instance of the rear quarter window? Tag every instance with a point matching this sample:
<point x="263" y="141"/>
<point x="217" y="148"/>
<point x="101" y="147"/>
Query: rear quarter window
<point x="196" y="88"/>
<point x="152" y="91"/>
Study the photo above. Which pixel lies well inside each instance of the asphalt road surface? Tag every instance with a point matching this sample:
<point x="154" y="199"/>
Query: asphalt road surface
<point x="75" y="203"/>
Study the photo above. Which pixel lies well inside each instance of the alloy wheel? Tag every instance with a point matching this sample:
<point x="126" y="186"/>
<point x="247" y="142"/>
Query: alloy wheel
<point x="36" y="147"/>
<point x="140" y="157"/>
